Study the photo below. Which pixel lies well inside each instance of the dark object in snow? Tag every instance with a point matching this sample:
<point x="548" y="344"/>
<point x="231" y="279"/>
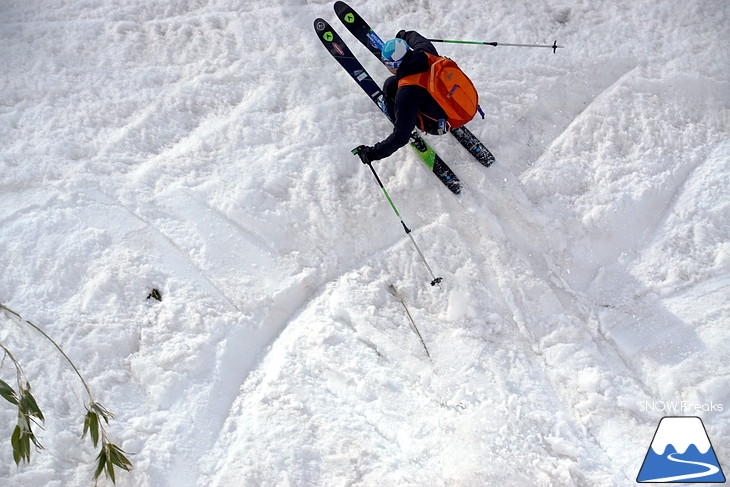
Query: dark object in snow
<point x="155" y="294"/>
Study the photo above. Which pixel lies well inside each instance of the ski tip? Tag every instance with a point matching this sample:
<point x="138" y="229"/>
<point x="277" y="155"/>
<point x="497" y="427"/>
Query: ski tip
<point x="341" y="6"/>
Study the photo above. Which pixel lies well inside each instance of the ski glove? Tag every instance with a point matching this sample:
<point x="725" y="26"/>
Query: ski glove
<point x="363" y="151"/>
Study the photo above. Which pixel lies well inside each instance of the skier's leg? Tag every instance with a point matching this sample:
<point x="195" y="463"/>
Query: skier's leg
<point x="390" y="87"/>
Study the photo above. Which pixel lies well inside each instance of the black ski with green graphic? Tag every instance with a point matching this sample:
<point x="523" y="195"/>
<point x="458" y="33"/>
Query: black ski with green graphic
<point x="367" y="36"/>
<point x="339" y="50"/>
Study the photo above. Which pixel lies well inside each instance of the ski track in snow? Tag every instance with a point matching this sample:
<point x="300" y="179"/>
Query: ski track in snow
<point x="182" y="146"/>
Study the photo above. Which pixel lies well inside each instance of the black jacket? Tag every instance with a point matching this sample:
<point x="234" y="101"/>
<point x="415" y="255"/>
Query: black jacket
<point x="409" y="101"/>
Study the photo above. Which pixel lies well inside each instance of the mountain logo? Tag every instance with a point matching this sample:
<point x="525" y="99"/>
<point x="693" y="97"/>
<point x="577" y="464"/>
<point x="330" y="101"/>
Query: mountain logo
<point x="680" y="452"/>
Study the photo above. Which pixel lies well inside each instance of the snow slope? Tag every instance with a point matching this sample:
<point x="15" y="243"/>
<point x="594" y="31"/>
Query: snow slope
<point x="202" y="148"/>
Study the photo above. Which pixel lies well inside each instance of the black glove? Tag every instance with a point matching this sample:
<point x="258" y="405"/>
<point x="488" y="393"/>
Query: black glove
<point x="363" y="151"/>
<point x="401" y="34"/>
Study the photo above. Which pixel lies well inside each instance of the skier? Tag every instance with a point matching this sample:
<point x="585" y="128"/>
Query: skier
<point x="408" y="106"/>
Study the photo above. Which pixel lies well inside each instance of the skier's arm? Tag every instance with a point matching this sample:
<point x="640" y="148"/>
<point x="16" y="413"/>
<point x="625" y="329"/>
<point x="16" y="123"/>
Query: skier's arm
<point x="397" y="139"/>
<point x="406" y="116"/>
<point x="417" y="42"/>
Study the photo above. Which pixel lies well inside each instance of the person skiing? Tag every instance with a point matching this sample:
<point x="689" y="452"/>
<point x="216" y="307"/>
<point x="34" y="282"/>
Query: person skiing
<point x="408" y="106"/>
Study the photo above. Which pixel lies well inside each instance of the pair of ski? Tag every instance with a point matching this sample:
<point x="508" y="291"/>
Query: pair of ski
<point x="339" y="50"/>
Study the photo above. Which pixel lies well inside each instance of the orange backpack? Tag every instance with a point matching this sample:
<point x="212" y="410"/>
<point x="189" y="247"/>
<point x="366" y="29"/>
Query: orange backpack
<point x="450" y="87"/>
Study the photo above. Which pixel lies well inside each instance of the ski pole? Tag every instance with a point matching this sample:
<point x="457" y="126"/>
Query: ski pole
<point x="358" y="151"/>
<point x="554" y="47"/>
<point x="397" y="295"/>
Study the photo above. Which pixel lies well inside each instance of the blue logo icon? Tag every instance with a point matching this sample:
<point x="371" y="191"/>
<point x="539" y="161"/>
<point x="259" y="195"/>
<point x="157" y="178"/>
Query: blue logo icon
<point x="681" y="452"/>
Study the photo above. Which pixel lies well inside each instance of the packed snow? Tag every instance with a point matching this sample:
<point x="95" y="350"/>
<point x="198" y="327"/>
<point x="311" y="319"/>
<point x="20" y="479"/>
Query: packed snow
<point x="202" y="148"/>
